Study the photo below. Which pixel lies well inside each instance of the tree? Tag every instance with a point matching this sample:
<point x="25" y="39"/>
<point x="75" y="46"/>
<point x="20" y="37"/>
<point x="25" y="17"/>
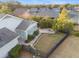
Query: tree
<point x="35" y="18"/>
<point x="4" y="9"/>
<point x="46" y="23"/>
<point x="63" y="22"/>
<point x="43" y="22"/>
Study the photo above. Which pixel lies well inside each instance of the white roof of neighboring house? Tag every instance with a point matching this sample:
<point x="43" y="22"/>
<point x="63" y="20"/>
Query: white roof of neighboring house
<point x="12" y="22"/>
<point x="6" y="36"/>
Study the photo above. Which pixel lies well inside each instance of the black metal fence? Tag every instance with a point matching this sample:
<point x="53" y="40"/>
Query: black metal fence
<point x="56" y="46"/>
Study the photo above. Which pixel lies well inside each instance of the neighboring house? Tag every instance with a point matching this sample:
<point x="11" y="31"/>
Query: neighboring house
<point x="46" y="12"/>
<point x="18" y="25"/>
<point x="73" y="8"/>
<point x="43" y="12"/>
<point x="22" y="12"/>
<point x="74" y="16"/>
<point x="76" y="8"/>
<point x="8" y="40"/>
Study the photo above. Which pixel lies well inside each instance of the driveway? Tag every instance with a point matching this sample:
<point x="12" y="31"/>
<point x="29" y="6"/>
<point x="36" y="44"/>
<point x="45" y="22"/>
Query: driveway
<point x="68" y="49"/>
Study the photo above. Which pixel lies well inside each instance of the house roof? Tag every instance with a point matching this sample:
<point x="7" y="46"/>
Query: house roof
<point x="10" y="22"/>
<point x="24" y="24"/>
<point x="20" y="11"/>
<point x="54" y="12"/>
<point x="1" y="15"/>
<point x="13" y="23"/>
<point x="6" y="36"/>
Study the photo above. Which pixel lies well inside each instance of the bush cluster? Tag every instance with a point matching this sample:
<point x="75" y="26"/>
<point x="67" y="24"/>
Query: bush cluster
<point x="43" y="22"/>
<point x="31" y="37"/>
<point x="15" y="52"/>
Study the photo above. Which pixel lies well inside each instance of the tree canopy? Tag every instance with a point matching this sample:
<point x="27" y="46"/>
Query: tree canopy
<point x="63" y="22"/>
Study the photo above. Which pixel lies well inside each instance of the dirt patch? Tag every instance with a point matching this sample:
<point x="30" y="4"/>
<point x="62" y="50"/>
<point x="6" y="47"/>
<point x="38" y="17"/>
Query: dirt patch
<point x="25" y="54"/>
<point x="68" y="49"/>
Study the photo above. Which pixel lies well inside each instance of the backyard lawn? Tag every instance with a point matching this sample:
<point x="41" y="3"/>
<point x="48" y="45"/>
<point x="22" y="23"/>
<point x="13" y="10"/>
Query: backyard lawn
<point x="47" y="41"/>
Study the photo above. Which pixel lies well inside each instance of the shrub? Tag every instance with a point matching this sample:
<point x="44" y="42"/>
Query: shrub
<point x="15" y="52"/>
<point x="37" y="19"/>
<point x="31" y="37"/>
<point x="46" y="23"/>
<point x="36" y="32"/>
<point x="63" y="22"/>
<point x="43" y="22"/>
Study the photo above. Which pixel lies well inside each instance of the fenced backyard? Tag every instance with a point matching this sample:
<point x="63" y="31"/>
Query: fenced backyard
<point x="48" y="41"/>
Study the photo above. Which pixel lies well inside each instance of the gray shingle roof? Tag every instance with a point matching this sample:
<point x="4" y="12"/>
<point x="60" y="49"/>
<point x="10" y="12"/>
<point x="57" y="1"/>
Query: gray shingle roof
<point x="20" y="11"/>
<point x="24" y="25"/>
<point x="54" y="12"/>
<point x="6" y="36"/>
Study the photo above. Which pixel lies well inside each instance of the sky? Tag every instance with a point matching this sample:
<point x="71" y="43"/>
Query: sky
<point x="48" y="1"/>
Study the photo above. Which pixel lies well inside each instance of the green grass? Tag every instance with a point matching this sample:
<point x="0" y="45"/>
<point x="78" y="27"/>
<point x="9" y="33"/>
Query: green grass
<point x="15" y="52"/>
<point x="47" y="41"/>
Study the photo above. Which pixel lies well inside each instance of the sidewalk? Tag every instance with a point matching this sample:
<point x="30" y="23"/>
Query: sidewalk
<point x="50" y="31"/>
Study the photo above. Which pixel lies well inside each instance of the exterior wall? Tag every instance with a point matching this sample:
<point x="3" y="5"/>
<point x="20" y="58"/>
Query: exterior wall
<point x="21" y="33"/>
<point x="6" y="48"/>
<point x="28" y="31"/>
<point x="31" y="28"/>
